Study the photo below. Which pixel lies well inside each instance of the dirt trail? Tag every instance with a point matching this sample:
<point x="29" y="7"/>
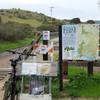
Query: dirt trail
<point x="4" y="60"/>
<point x="2" y="82"/>
<point x="4" y="65"/>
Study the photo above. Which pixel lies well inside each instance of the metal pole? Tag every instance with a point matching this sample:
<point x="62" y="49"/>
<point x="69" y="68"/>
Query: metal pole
<point x="22" y="84"/>
<point x="60" y="60"/>
<point x="50" y="79"/>
<point x="51" y="12"/>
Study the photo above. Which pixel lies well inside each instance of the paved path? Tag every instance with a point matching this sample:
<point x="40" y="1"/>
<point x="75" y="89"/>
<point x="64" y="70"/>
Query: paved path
<point x="4" y="60"/>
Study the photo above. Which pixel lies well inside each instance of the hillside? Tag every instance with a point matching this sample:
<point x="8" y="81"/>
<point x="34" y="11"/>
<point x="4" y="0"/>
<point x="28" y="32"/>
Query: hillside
<point x="20" y="16"/>
<point x="24" y="14"/>
<point x="34" y="19"/>
<point x="31" y="22"/>
<point x="18" y="27"/>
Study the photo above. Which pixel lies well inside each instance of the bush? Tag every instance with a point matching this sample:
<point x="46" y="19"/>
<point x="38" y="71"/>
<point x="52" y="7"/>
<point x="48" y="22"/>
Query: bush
<point x="13" y="31"/>
<point x="78" y="81"/>
<point x="80" y="84"/>
<point x="52" y="28"/>
<point x="75" y="21"/>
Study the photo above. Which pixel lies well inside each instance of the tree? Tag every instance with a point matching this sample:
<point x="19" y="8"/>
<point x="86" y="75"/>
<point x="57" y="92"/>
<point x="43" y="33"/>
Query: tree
<point x="90" y="22"/>
<point x="45" y="19"/>
<point x="75" y="21"/>
<point x="52" y="28"/>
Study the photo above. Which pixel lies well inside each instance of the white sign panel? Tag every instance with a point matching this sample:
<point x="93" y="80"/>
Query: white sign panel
<point x="80" y="42"/>
<point x="42" y="49"/>
<point x="29" y="68"/>
<point x="69" y="41"/>
<point x="46" y="35"/>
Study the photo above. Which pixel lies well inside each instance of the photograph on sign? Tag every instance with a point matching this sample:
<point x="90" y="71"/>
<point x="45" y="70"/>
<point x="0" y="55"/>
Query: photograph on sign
<point x="44" y="69"/>
<point x="80" y="42"/>
<point x="46" y="35"/>
<point x="48" y="69"/>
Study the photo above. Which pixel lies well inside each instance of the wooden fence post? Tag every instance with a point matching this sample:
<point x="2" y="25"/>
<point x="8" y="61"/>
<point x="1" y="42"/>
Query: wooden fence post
<point x="65" y="69"/>
<point x="90" y="67"/>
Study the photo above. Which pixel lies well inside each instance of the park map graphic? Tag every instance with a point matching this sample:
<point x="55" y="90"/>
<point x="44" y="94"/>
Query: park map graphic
<point x="80" y="42"/>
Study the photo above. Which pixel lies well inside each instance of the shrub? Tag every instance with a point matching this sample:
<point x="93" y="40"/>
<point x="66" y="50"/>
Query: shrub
<point x="13" y="31"/>
<point x="82" y="82"/>
<point x="52" y="28"/>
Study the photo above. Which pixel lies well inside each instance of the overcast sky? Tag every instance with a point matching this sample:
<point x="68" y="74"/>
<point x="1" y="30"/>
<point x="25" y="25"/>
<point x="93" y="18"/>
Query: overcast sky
<point x="64" y="9"/>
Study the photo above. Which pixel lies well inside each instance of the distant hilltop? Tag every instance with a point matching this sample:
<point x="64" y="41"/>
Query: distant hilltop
<point x="37" y="21"/>
<point x="97" y="21"/>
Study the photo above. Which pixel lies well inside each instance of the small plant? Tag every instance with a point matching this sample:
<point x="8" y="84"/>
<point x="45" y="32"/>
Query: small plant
<point x="78" y="81"/>
<point x="55" y="56"/>
<point x="80" y="84"/>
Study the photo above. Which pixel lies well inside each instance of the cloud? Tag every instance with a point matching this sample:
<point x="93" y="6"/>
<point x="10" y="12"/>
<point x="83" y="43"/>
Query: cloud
<point x="26" y="1"/>
<point x="84" y="9"/>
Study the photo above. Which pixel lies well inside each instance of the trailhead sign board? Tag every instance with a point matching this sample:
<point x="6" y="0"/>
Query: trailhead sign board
<point x="80" y="42"/>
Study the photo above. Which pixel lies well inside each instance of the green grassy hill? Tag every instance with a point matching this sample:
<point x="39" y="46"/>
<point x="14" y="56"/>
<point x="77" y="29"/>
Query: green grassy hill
<point x="22" y="16"/>
<point x="36" y="20"/>
<point x="31" y="22"/>
<point x="18" y="27"/>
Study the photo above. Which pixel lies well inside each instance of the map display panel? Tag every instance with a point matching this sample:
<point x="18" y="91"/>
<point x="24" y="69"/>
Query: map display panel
<point x="80" y="42"/>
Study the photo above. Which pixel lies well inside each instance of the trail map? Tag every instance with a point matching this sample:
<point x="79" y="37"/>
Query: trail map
<point x="80" y="42"/>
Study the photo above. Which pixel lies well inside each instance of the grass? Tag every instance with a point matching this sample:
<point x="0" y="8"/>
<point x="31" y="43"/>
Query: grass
<point x="31" y="22"/>
<point x="55" y="56"/>
<point x="92" y="90"/>
<point x="73" y="70"/>
<point x="4" y="45"/>
<point x="79" y="85"/>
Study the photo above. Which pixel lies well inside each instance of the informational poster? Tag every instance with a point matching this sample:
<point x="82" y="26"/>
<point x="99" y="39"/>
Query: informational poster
<point x="42" y="49"/>
<point x="80" y="42"/>
<point x="40" y="68"/>
<point x="46" y="35"/>
<point x="29" y="68"/>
